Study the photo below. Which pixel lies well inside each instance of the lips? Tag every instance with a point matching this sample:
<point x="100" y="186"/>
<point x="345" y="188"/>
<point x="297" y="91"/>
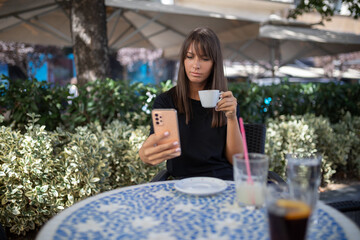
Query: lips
<point x="195" y="74"/>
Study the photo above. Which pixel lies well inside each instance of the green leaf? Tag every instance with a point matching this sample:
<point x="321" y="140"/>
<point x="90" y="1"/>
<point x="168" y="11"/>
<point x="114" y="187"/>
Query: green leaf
<point x="44" y="188"/>
<point x="94" y="180"/>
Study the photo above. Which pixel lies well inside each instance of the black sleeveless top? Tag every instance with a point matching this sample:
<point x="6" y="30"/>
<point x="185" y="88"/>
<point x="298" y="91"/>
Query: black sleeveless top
<point x="202" y="147"/>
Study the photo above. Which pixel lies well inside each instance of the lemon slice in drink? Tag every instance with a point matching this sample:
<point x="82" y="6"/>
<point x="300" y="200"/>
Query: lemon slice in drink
<point x="294" y="209"/>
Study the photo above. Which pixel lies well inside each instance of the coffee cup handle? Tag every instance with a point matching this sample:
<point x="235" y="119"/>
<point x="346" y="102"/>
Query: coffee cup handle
<point x="220" y="98"/>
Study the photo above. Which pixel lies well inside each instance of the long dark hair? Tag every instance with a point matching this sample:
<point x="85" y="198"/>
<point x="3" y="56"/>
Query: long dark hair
<point x="207" y="43"/>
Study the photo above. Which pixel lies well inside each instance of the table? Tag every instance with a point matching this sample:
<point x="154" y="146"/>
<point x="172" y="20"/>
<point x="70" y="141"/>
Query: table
<point x="157" y="211"/>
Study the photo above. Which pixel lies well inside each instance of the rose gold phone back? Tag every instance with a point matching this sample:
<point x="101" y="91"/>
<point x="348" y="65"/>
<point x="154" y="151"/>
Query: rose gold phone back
<point x="166" y="120"/>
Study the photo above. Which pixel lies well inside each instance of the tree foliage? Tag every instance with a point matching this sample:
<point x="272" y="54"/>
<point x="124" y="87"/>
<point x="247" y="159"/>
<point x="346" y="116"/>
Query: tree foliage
<point x="326" y="9"/>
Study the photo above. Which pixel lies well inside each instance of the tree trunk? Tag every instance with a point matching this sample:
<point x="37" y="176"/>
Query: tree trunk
<point x="89" y="36"/>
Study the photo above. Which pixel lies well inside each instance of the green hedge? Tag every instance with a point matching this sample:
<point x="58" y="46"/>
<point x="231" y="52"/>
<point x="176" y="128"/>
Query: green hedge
<point x="43" y="172"/>
<point x="339" y="144"/>
<point x="98" y="101"/>
<point x="27" y="96"/>
<point x="330" y="100"/>
<point x="107" y="100"/>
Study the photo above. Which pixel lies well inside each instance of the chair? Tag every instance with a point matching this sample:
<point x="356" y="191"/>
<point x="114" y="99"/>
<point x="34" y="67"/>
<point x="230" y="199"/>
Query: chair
<point x="2" y="233"/>
<point x="350" y="208"/>
<point x="255" y="139"/>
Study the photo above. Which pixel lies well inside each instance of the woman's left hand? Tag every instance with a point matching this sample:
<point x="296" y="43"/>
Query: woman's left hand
<point x="227" y="104"/>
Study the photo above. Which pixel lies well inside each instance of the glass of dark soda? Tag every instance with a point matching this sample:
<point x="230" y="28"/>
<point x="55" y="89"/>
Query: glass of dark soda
<point x="288" y="217"/>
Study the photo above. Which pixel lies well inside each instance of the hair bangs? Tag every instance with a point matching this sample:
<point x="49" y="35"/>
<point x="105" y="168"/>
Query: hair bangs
<point x="203" y="46"/>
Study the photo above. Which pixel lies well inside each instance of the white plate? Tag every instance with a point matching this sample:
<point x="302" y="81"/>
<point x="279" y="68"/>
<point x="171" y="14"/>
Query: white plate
<point x="200" y="186"/>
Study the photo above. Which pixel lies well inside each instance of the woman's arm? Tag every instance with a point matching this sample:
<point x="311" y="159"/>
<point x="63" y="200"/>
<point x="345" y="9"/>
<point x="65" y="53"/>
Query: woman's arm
<point x="153" y="153"/>
<point x="233" y="139"/>
<point x="228" y="104"/>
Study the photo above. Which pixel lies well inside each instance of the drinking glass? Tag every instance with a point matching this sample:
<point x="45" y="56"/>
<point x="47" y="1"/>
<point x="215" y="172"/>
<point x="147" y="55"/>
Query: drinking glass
<point x="288" y="215"/>
<point x="250" y="186"/>
<point x="303" y="176"/>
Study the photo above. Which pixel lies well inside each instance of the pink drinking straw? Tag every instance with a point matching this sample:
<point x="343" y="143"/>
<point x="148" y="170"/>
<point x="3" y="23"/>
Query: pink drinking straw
<point x="242" y="130"/>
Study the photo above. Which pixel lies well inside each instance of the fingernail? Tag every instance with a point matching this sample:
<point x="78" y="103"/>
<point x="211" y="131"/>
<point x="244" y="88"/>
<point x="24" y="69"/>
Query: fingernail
<point x="166" y="133"/>
<point x="177" y="150"/>
<point x="175" y="143"/>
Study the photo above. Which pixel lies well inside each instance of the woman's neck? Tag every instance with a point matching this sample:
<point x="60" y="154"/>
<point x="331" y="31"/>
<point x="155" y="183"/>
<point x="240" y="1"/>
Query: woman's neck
<point x="194" y="90"/>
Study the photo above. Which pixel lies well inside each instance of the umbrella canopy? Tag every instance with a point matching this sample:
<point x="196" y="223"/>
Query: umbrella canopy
<point x="129" y="23"/>
<point x="153" y="25"/>
<point x="281" y="43"/>
<point x="41" y="22"/>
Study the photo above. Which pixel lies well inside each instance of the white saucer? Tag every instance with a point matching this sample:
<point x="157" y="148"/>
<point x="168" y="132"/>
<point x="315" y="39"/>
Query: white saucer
<point x="200" y="186"/>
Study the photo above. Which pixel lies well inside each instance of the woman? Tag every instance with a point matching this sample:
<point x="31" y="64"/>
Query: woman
<point x="209" y="137"/>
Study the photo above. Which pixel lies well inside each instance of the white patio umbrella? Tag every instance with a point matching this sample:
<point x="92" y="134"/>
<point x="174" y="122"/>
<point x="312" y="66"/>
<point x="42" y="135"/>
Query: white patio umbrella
<point x="41" y="22"/>
<point x="165" y="26"/>
<point x="282" y="43"/>
<point x="129" y="23"/>
<point x="154" y="25"/>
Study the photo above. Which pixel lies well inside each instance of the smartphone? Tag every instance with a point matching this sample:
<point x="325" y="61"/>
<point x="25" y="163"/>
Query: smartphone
<point x="166" y="120"/>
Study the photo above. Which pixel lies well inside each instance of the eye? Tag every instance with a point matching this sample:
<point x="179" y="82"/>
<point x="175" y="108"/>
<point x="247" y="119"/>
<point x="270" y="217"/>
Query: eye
<point x="189" y="56"/>
<point x="205" y="58"/>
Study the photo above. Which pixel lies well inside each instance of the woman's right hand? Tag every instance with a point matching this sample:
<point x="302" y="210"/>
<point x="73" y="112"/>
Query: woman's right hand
<point x="153" y="153"/>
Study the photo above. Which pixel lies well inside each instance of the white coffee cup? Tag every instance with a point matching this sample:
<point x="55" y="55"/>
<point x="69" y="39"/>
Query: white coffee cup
<point x="209" y="98"/>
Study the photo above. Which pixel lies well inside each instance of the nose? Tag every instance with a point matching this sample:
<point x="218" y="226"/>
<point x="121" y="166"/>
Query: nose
<point x="196" y="63"/>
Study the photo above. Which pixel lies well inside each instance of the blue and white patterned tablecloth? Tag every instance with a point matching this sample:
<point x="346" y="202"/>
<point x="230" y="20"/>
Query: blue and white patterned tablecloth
<point x="157" y="211"/>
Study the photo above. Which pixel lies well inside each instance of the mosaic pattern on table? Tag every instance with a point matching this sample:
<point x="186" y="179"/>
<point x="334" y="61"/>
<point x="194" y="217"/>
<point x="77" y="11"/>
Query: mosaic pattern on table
<point x="139" y="213"/>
